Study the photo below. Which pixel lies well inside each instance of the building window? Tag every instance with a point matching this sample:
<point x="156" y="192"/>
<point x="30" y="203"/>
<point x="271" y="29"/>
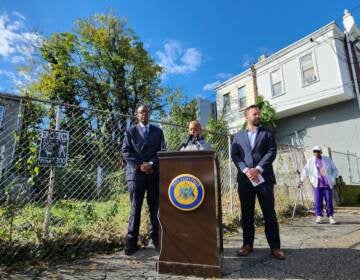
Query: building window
<point x="213" y="109"/>
<point x="276" y="83"/>
<point x="226" y="102"/>
<point x="2" y="112"/>
<point x="242" y="97"/>
<point x="308" y="72"/>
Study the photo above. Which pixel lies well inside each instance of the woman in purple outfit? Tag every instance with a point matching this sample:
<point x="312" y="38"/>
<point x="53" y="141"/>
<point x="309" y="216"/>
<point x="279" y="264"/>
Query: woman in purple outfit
<point x="322" y="173"/>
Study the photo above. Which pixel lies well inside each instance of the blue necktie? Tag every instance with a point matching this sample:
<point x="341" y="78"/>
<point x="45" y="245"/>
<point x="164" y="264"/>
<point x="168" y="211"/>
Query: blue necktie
<point x="146" y="133"/>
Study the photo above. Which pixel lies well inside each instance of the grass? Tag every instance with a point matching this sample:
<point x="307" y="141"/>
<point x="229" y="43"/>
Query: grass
<point x="76" y="228"/>
<point x="79" y="228"/>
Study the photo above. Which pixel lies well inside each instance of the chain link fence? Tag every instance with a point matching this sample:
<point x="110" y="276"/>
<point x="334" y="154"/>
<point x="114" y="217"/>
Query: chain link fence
<point x="348" y="165"/>
<point x="49" y="209"/>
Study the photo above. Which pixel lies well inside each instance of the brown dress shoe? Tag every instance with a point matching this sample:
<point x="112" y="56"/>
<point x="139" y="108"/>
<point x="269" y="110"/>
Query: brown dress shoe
<point x="278" y="254"/>
<point x="244" y="250"/>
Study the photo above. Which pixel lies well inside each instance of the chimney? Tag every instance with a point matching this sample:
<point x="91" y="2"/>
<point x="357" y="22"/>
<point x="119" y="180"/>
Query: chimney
<point x="262" y="57"/>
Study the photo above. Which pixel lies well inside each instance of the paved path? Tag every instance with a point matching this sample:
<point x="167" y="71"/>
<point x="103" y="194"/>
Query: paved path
<point x="313" y="252"/>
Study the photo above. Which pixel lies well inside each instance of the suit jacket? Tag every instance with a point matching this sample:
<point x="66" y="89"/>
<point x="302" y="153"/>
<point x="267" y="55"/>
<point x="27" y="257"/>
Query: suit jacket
<point x="136" y="150"/>
<point x="263" y="154"/>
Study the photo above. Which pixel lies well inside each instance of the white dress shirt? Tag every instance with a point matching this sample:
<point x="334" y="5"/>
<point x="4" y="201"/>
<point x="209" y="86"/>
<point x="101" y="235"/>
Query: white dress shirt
<point x="252" y="137"/>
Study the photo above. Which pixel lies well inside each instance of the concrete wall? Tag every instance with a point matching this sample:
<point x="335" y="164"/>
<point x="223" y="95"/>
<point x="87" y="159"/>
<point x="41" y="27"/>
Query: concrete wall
<point x="335" y="126"/>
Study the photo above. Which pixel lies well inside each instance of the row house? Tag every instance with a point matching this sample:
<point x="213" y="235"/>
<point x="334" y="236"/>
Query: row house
<point x="313" y="84"/>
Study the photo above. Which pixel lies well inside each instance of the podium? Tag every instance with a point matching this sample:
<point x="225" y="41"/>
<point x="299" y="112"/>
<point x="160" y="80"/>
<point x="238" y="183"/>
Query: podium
<point x="190" y="231"/>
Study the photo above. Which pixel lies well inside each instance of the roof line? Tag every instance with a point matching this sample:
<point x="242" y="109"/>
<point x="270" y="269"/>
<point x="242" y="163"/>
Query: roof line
<point x="286" y="49"/>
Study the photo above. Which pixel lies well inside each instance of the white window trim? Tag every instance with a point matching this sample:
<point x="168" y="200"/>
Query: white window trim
<point x="302" y="80"/>
<point x="3" y="115"/>
<point x="229" y="111"/>
<point x="246" y="97"/>
<point x="282" y="83"/>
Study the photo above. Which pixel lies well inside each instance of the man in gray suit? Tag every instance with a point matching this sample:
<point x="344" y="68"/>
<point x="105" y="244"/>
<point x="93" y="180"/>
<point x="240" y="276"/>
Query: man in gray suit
<point x="139" y="150"/>
<point x="253" y="152"/>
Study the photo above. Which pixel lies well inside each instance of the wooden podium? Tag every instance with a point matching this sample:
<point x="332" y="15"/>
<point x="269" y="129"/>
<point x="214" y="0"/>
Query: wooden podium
<point x="190" y="241"/>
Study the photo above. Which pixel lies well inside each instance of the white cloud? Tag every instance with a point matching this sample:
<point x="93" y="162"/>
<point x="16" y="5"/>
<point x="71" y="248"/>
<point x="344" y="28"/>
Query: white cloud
<point x="247" y="60"/>
<point x="223" y="75"/>
<point x="177" y="60"/>
<point x="17" y="14"/>
<point x="17" y="59"/>
<point x="17" y="45"/>
<point x="15" y="39"/>
<point x="211" y="86"/>
<point x="8" y="74"/>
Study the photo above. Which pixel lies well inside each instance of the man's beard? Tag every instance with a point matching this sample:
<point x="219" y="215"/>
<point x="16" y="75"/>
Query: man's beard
<point x="257" y="122"/>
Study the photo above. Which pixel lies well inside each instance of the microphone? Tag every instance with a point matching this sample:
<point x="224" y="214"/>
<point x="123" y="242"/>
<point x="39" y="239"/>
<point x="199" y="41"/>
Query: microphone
<point x="195" y="138"/>
<point x="184" y="144"/>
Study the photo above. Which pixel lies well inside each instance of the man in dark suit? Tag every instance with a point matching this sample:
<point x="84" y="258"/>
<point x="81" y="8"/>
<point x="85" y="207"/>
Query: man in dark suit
<point x="139" y="150"/>
<point x="253" y="152"/>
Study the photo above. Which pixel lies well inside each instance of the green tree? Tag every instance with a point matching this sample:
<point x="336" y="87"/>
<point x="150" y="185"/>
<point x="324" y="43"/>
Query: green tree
<point x="26" y="138"/>
<point x="217" y="133"/>
<point x="101" y="65"/>
<point x="180" y="112"/>
<point x="268" y="113"/>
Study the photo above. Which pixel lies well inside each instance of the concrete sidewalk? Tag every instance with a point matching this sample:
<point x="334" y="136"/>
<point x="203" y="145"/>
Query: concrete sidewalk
<point x="313" y="252"/>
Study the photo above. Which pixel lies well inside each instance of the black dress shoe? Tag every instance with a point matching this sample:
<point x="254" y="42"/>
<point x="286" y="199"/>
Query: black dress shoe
<point x="130" y="250"/>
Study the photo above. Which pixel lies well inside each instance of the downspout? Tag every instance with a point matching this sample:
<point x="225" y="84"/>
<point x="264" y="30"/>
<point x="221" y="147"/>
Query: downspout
<point x="352" y="63"/>
<point x="253" y="76"/>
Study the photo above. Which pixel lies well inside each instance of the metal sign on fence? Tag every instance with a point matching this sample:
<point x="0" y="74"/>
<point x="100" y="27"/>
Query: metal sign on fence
<point x="54" y="146"/>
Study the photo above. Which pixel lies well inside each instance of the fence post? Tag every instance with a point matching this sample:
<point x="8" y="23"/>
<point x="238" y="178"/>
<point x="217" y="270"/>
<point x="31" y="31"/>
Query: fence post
<point x="230" y="175"/>
<point x="349" y="163"/>
<point x="330" y="153"/>
<point x="51" y="184"/>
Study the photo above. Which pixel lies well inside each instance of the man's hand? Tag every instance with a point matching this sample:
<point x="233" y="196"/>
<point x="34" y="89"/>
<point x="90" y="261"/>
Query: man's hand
<point x="146" y="168"/>
<point x="253" y="174"/>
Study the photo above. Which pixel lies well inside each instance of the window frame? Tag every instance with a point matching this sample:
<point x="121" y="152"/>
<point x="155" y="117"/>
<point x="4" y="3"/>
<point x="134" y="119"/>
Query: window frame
<point x="239" y="98"/>
<point x="281" y="82"/>
<point x="228" y="105"/>
<point x="314" y="66"/>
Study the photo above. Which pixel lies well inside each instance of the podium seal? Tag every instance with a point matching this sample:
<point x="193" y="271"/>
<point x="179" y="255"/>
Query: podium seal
<point x="186" y="192"/>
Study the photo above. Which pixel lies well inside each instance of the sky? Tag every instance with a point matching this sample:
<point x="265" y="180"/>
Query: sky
<point x="200" y="43"/>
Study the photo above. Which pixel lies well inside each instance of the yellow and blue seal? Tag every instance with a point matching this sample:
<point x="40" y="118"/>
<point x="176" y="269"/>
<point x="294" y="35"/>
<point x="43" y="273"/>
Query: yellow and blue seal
<point x="186" y="192"/>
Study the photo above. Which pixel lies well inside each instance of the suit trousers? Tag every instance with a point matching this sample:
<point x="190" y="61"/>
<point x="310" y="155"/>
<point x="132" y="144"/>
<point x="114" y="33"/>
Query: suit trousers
<point x="265" y="195"/>
<point x="148" y="184"/>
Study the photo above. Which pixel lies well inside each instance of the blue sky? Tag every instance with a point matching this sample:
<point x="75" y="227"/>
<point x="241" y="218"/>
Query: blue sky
<point x="199" y="42"/>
